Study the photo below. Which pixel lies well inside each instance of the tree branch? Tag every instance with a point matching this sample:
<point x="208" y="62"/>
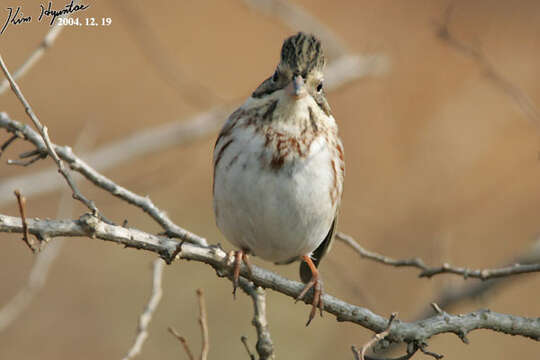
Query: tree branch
<point x="183" y="342"/>
<point x="265" y="346"/>
<point x="103" y="182"/>
<point x="146" y="316"/>
<point x="203" y="323"/>
<point x="21" y="201"/>
<point x="48" y="145"/>
<point x="426" y="271"/>
<point x="413" y="332"/>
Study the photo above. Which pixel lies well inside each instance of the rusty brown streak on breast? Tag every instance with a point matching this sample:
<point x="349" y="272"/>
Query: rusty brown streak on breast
<point x="341" y="157"/>
<point x="334" y="189"/>
<point x="277" y="162"/>
<point x="340" y="152"/>
<point x="294" y="143"/>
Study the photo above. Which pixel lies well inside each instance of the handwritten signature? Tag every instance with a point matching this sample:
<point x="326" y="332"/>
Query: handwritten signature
<point x="16" y="15"/>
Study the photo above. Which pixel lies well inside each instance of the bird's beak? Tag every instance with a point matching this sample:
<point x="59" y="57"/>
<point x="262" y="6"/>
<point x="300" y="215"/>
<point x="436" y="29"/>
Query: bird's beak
<point x="296" y="88"/>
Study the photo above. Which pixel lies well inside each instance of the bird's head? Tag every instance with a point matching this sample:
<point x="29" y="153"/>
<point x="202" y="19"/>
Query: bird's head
<point x="300" y="71"/>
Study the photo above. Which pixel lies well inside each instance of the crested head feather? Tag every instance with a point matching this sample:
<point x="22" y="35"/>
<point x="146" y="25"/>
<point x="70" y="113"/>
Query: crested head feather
<point x="302" y="53"/>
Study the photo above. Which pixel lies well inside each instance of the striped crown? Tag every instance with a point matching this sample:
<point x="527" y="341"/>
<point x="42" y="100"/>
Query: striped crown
<point x="302" y="53"/>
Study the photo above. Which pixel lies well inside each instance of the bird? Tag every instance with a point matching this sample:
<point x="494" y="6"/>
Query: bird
<point x="279" y="169"/>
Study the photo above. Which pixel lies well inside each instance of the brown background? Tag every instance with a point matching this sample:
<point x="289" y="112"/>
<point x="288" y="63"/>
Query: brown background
<point x="441" y="164"/>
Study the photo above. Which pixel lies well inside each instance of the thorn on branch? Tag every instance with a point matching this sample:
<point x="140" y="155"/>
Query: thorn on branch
<point x="437" y="308"/>
<point x="31" y="153"/>
<point x="244" y="341"/>
<point x="27" y="162"/>
<point x="21" y="200"/>
<point x="7" y="143"/>
<point x="177" y="251"/>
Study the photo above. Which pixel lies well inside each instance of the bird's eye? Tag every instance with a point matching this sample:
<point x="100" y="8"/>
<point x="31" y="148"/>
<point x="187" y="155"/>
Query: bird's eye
<point x="319" y="87"/>
<point x="275" y="76"/>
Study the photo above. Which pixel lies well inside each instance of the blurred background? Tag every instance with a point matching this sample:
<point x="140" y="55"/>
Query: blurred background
<point x="442" y="153"/>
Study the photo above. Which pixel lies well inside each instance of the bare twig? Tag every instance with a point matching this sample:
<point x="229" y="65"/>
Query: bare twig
<point x="27" y="162"/>
<point x="376" y="338"/>
<point x="7" y="143"/>
<point x="483" y="274"/>
<point x="169" y="249"/>
<point x="244" y="341"/>
<point x="139" y="144"/>
<point x="430" y="353"/>
<point x="204" y="325"/>
<point x="449" y="297"/>
<point x="45" y="136"/>
<point x="103" y="182"/>
<point x="21" y="201"/>
<point x="366" y="254"/>
<point x="518" y="95"/>
<point x="265" y="346"/>
<point x="43" y="261"/>
<point x="183" y="342"/>
<point x="146" y="316"/>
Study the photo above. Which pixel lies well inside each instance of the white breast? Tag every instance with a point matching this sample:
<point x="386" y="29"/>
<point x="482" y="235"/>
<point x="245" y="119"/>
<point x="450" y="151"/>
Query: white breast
<point x="276" y="215"/>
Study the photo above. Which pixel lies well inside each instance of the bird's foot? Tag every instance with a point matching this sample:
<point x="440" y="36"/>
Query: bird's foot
<point x="316" y="284"/>
<point x="239" y="257"/>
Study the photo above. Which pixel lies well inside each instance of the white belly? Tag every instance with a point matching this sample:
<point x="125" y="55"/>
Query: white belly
<point x="276" y="215"/>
